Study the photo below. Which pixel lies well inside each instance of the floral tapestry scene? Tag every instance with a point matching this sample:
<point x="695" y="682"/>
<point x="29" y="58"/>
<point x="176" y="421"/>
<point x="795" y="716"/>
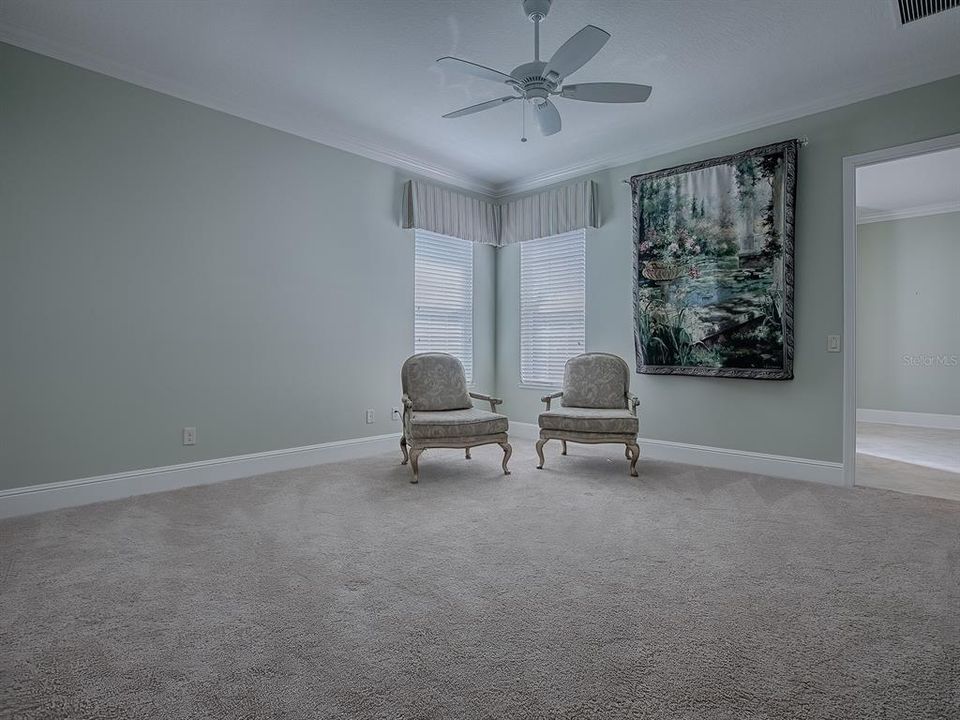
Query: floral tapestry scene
<point x="713" y="266"/>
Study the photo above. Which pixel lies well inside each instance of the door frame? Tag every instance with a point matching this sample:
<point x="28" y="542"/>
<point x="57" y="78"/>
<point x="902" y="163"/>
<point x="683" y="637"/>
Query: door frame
<point x="850" y="165"/>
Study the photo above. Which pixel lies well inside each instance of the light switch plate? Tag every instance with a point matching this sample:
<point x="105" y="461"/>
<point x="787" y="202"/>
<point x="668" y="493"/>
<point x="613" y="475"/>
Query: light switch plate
<point x="833" y="343"/>
<point x="189" y="436"/>
<point x="370" y="417"/>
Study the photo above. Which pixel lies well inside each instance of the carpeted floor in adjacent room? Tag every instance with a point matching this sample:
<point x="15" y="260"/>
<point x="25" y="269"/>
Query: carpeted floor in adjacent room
<point x="342" y="591"/>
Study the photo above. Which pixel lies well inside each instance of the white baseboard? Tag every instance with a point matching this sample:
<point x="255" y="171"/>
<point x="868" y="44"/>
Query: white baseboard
<point x="821" y="471"/>
<point x="69" y="493"/>
<point x="898" y="417"/>
<point x="793" y="468"/>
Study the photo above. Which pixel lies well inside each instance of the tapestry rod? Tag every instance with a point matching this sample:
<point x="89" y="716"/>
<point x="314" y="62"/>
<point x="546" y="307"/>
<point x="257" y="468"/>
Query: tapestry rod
<point x="801" y="141"/>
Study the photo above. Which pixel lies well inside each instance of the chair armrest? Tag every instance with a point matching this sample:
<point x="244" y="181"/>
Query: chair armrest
<point x="407" y="411"/>
<point x="492" y="400"/>
<point x="632" y="402"/>
<point x="551" y="396"/>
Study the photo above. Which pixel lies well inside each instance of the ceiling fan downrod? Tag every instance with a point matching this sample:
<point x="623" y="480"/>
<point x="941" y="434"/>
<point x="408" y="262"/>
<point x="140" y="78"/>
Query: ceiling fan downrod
<point x="536" y="11"/>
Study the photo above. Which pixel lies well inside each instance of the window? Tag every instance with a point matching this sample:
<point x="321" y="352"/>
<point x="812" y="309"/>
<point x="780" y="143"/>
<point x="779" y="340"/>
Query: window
<point x="552" y="301"/>
<point x="443" y="297"/>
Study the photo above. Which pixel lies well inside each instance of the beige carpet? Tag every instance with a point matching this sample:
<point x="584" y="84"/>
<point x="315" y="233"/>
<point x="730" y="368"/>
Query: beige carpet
<point x="342" y="591"/>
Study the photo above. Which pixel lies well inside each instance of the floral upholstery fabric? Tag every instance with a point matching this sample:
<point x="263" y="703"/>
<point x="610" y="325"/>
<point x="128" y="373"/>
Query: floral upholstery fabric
<point x="435" y="381"/>
<point x="595" y="380"/>
<point x="610" y="421"/>
<point x="426" y="425"/>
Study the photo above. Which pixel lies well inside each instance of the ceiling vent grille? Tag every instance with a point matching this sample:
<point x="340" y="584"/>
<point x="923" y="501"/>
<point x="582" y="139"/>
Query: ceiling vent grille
<point x="911" y="10"/>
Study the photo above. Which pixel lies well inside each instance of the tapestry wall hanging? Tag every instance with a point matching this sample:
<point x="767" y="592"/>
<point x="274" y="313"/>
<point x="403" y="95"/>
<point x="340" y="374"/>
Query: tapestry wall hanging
<point x="713" y="266"/>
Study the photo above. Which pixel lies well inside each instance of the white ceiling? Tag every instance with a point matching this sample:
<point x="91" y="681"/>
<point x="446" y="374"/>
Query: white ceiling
<point x="919" y="185"/>
<point x="360" y="75"/>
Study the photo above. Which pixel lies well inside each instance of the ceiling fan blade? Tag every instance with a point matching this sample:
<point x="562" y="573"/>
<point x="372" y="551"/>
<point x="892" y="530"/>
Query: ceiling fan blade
<point x="470" y="68"/>
<point x="479" y="107"/>
<point x="548" y="118"/>
<point x="576" y="51"/>
<point x="607" y="92"/>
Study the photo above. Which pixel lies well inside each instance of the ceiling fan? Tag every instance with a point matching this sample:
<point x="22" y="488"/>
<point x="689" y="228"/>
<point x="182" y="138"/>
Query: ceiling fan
<point x="537" y="81"/>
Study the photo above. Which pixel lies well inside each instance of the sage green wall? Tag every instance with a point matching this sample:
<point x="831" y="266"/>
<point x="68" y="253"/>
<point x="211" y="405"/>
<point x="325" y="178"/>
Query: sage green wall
<point x="908" y="330"/>
<point x="799" y="418"/>
<point x="164" y="265"/>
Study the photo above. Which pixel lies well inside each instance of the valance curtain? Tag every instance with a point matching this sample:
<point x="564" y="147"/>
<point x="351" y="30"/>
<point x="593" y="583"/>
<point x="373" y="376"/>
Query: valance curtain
<point x="447" y="212"/>
<point x="552" y="212"/>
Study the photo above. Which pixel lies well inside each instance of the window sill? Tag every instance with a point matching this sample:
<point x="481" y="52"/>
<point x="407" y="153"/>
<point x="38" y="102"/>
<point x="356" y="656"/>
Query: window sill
<point x="534" y="386"/>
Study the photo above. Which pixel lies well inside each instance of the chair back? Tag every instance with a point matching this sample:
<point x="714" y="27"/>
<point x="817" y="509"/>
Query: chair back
<point x="595" y="380"/>
<point x="435" y="381"/>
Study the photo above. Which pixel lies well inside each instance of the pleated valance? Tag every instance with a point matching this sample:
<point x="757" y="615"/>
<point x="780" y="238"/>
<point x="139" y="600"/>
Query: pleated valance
<point x="438" y="209"/>
<point x="551" y="212"/>
<point x="447" y="212"/>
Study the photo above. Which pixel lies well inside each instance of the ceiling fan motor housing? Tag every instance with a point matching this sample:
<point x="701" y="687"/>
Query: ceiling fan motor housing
<point x="531" y="81"/>
<point x="536" y="9"/>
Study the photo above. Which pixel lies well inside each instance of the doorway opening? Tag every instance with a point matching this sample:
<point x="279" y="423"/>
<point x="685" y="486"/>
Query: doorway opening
<point x="901" y="319"/>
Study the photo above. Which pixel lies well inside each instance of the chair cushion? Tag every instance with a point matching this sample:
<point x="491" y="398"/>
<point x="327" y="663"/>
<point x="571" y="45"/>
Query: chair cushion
<point x="455" y="423"/>
<point x="595" y="380"/>
<point x="590" y="420"/>
<point x="435" y="381"/>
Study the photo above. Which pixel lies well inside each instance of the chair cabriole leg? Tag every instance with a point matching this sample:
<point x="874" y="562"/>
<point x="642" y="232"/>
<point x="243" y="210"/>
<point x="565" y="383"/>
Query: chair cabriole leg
<point x="507" y="452"/>
<point x="634" y="451"/>
<point x="403" y="449"/>
<point x="415" y="463"/>
<point x="540" y="444"/>
<point x="563" y="447"/>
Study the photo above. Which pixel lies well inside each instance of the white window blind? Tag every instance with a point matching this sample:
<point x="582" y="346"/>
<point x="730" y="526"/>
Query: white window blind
<point x="552" y="306"/>
<point x="443" y="297"/>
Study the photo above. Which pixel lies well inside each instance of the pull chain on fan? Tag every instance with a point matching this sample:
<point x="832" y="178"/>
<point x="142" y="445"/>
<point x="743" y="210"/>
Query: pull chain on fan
<point x="523" y="122"/>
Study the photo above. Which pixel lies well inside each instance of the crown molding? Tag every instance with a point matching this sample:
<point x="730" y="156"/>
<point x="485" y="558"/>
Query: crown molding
<point x="866" y="215"/>
<point x="292" y="124"/>
<point x="640" y="152"/>
<point x="273" y="118"/>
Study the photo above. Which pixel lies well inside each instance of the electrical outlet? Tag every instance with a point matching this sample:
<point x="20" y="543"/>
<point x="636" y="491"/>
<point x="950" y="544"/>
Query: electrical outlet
<point x="370" y="417"/>
<point x="395" y="414"/>
<point x="833" y="343"/>
<point x="189" y="436"/>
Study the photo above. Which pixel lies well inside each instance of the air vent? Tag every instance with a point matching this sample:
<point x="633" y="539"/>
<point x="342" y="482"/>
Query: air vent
<point x="911" y="10"/>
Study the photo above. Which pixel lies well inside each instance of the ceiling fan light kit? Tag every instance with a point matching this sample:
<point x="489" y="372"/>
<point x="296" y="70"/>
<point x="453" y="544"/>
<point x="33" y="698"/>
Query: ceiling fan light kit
<point x="537" y="81"/>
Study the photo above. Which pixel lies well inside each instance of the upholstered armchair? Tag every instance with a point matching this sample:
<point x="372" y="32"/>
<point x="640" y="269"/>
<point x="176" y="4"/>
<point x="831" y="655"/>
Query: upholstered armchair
<point x="438" y="411"/>
<point x="596" y="406"/>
